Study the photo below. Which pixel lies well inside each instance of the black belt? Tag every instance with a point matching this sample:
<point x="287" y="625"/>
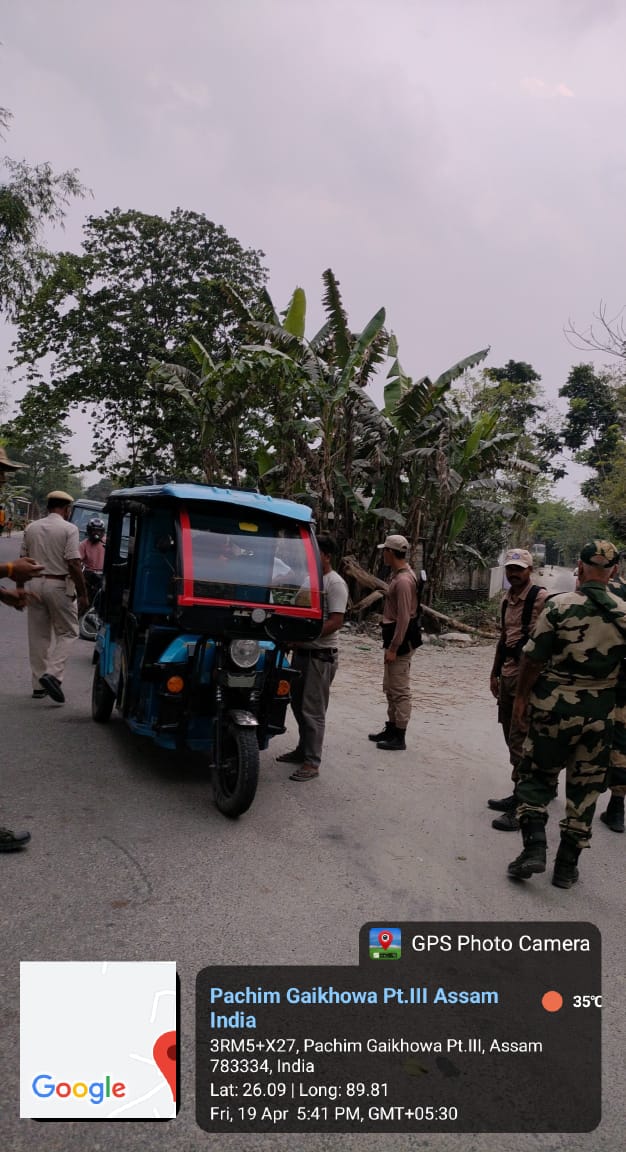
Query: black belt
<point x="323" y="654"/>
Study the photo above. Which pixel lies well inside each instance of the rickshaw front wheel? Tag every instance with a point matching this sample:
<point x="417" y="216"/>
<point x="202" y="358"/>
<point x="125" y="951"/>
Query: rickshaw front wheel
<point x="102" y="698"/>
<point x="237" y="774"/>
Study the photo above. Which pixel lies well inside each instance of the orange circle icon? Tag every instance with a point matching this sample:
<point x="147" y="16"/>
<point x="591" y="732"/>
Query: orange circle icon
<point x="552" y="1001"/>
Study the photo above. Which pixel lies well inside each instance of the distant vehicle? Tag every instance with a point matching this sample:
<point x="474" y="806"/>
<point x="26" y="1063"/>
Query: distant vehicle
<point x="82" y="512"/>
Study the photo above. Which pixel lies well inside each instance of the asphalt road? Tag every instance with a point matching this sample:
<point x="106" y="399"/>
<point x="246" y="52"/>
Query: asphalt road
<point x="131" y="861"/>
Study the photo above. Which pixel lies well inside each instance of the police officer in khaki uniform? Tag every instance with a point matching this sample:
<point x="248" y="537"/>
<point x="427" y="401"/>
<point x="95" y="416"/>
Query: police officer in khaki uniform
<point x="401" y="605"/>
<point x="53" y="609"/>
<point x="20" y="571"/>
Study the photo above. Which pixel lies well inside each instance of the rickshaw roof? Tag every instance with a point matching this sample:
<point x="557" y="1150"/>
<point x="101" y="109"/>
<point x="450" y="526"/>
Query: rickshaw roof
<point x="242" y="498"/>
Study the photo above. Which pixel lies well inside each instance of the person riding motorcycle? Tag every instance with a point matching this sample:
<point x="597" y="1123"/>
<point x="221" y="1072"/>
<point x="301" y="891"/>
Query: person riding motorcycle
<point x="92" y="554"/>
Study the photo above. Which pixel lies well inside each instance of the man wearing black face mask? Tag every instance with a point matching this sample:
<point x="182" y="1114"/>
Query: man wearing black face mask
<point x="521" y="607"/>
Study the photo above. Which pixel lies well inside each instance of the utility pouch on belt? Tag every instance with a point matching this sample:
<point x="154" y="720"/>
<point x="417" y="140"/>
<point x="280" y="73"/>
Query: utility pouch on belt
<point x="412" y="636"/>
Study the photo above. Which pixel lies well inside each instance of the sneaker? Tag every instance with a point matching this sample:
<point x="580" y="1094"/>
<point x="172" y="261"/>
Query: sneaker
<point x="305" y="772"/>
<point x="507" y="822"/>
<point x="13" y="841"/>
<point x="39" y="693"/>
<point x="52" y="687"/>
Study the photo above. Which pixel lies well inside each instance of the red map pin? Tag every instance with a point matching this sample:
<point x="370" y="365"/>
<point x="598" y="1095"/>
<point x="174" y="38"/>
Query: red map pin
<point x="164" y="1053"/>
<point x="384" y="939"/>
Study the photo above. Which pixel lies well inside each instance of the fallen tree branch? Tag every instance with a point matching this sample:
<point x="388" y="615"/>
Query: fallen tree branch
<point x="351" y="568"/>
<point x="367" y="601"/>
<point x="458" y="625"/>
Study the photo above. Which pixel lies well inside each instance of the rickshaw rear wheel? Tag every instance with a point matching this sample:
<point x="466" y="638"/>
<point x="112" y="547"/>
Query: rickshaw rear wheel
<point x="102" y="698"/>
<point x="237" y="775"/>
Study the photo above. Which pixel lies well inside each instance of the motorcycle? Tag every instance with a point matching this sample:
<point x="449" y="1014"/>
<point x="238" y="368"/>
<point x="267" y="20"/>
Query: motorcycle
<point x="203" y="591"/>
<point x="89" y="622"/>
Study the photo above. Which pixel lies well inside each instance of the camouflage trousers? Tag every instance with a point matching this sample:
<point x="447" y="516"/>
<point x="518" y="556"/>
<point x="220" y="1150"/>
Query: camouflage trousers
<point x="576" y="735"/>
<point x="616" y="779"/>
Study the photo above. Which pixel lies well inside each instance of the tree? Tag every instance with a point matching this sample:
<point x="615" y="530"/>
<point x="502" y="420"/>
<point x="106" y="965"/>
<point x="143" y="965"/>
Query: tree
<point x="565" y="529"/>
<point x="46" y="466"/>
<point x="100" y="490"/>
<point x="31" y="196"/>
<point x="592" y="425"/>
<point x="604" y="334"/>
<point x="141" y="288"/>
<point x="311" y="406"/>
<point x="514" y="391"/>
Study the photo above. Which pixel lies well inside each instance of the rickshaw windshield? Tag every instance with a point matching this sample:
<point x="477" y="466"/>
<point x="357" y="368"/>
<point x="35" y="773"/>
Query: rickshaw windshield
<point x="243" y="558"/>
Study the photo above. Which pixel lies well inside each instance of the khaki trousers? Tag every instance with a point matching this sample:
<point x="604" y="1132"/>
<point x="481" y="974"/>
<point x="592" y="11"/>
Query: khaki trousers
<point x="513" y="735"/>
<point x="52" y="628"/>
<point x="310" y="694"/>
<point x="397" y="689"/>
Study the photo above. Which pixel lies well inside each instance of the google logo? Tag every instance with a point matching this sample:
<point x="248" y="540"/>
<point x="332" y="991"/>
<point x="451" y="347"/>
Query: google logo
<point x="44" y="1086"/>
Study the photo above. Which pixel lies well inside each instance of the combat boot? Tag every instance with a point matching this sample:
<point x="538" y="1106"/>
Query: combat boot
<point x="507" y="804"/>
<point x="614" y="815"/>
<point x="565" y="871"/>
<point x="394" y="741"/>
<point x="533" y="858"/>
<point x="385" y="733"/>
<point x="506" y="822"/>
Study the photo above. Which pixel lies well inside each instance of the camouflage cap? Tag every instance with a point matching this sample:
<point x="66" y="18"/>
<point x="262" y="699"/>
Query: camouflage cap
<point x="599" y="554"/>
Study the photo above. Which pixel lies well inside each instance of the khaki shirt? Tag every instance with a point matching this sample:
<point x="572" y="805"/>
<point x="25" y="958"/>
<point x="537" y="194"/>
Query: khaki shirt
<point x="400" y="604"/>
<point x="513" y="621"/>
<point x="51" y="542"/>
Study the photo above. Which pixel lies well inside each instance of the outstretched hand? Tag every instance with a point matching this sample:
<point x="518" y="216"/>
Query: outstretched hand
<point x="24" y="569"/>
<point x="13" y="598"/>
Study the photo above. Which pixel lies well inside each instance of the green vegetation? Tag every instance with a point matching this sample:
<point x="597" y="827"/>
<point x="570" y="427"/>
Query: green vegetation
<point x="162" y="331"/>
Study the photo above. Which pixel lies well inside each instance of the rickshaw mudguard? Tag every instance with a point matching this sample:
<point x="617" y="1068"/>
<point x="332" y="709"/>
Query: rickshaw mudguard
<point x="105" y="656"/>
<point x="241" y="718"/>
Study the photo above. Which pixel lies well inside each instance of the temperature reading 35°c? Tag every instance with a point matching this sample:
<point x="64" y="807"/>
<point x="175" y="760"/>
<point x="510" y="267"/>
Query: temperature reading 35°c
<point x="586" y="1001"/>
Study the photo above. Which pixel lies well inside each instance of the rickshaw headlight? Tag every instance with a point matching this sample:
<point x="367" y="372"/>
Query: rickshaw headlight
<point x="244" y="653"/>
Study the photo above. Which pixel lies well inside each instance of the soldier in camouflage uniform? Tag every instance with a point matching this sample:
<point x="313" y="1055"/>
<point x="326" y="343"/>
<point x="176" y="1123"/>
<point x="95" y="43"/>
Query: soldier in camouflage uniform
<point x="613" y="817"/>
<point x="569" y="674"/>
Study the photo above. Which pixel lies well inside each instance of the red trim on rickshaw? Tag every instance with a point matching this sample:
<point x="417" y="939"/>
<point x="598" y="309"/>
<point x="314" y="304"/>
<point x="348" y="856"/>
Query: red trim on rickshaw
<point x="281" y="609"/>
<point x="188" y="600"/>
<point x="185" y="528"/>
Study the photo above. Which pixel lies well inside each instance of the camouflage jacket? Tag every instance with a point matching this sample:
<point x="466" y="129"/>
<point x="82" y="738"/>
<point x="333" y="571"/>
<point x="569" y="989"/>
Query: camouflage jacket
<point x="581" y="648"/>
<point x="618" y="587"/>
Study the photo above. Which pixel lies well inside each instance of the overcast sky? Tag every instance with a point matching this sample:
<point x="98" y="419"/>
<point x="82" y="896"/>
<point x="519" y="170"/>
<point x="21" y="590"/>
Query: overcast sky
<point x="460" y="162"/>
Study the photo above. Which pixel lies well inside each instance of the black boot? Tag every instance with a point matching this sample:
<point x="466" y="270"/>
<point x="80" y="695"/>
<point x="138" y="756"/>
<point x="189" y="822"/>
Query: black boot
<point x="614" y="815"/>
<point x="394" y="741"/>
<point x="565" y="871"/>
<point x="384" y="734"/>
<point x="533" y="858"/>
<point x="506" y="822"/>
<point x="507" y="804"/>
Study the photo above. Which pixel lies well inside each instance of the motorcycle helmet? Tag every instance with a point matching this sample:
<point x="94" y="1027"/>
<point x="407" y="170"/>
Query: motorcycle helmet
<point x="96" y="527"/>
